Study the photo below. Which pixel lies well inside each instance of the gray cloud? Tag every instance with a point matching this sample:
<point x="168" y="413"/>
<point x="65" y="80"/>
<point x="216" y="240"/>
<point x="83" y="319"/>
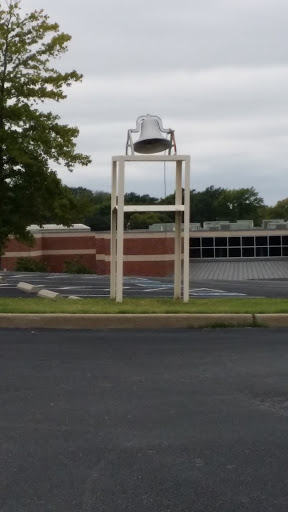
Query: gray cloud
<point x="216" y="71"/>
<point x="122" y="36"/>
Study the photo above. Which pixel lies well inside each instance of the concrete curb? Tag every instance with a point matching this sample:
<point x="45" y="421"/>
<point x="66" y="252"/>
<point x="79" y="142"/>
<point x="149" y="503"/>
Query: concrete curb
<point x="124" y="321"/>
<point x="271" y="320"/>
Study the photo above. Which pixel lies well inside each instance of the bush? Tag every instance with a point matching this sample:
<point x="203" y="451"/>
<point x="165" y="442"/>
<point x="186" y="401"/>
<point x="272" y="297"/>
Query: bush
<point x="27" y="264"/>
<point x="75" y="267"/>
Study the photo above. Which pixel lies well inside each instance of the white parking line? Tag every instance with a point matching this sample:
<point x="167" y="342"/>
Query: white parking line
<point x="212" y="292"/>
<point x="73" y="287"/>
<point x="155" y="289"/>
<point x="88" y="296"/>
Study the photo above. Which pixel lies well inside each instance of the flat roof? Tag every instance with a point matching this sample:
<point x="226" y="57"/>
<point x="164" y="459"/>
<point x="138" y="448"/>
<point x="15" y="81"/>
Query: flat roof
<point x="58" y="227"/>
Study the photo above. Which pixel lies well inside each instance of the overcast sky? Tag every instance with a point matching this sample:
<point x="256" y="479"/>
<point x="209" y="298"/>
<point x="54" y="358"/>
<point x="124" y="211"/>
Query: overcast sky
<point x="215" y="71"/>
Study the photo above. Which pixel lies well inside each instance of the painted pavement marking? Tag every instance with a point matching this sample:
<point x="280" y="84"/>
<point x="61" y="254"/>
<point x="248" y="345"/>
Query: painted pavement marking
<point x="210" y="292"/>
<point x="100" y="289"/>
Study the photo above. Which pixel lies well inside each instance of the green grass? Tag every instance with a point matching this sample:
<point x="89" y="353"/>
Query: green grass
<point x="145" y="306"/>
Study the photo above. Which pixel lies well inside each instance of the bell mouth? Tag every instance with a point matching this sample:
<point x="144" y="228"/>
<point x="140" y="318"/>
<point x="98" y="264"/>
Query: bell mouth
<point x="149" y="146"/>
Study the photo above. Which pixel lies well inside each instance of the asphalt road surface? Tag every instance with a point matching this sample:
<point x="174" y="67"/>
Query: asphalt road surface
<point x="99" y="286"/>
<point x="166" y="421"/>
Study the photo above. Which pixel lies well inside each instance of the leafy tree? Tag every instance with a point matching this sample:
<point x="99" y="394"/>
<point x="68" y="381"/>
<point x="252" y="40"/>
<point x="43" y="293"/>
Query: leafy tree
<point x="82" y="193"/>
<point x="203" y="204"/>
<point x="266" y="212"/>
<point x="93" y="208"/>
<point x="70" y="205"/>
<point x="133" y="198"/>
<point x="279" y="211"/>
<point x="144" y="220"/>
<point x="236" y="204"/>
<point x="99" y="197"/>
<point x="101" y="218"/>
<point x="85" y="202"/>
<point x="31" y="139"/>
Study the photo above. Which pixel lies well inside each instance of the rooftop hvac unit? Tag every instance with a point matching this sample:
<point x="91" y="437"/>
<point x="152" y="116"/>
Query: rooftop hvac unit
<point x="155" y="227"/>
<point x="281" y="225"/>
<point x="241" y="226"/>
<point x="246" y="222"/>
<point x="224" y="227"/>
<point x="169" y="226"/>
<point x="209" y="223"/>
<point x="274" y="221"/>
<point x="195" y="226"/>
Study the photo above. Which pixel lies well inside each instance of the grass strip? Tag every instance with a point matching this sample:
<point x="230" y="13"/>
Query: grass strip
<point x="143" y="306"/>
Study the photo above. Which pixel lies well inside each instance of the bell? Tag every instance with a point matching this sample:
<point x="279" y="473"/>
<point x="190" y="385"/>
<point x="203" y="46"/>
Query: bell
<point x="151" y="139"/>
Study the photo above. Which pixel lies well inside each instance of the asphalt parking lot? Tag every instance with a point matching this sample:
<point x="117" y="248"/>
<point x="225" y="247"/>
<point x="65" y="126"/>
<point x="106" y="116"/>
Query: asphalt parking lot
<point x="99" y="286"/>
<point x="162" y="421"/>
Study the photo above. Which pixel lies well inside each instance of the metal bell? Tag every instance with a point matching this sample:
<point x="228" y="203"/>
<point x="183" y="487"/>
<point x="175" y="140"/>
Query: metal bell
<point x="151" y="139"/>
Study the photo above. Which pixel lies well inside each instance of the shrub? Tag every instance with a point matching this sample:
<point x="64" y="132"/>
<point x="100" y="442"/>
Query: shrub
<point x="27" y="264"/>
<point x="75" y="267"/>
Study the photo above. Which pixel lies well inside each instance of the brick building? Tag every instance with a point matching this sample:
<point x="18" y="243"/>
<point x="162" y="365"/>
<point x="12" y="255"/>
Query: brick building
<point x="146" y="253"/>
<point x="150" y="252"/>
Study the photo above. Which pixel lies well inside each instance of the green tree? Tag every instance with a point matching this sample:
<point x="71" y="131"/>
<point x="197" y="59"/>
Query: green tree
<point x="279" y="211"/>
<point x="94" y="208"/>
<point x="266" y="212"/>
<point x="236" y="204"/>
<point x="133" y="198"/>
<point x="31" y="138"/>
<point x="203" y="204"/>
<point x="85" y="203"/>
<point x="101" y="218"/>
<point x="71" y="204"/>
<point x="144" y="220"/>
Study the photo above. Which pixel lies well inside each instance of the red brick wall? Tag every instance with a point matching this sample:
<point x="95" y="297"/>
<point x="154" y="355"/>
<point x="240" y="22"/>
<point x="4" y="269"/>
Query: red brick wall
<point x="139" y="246"/>
<point x="148" y="268"/>
<point x="149" y="246"/>
<point x="15" y="246"/>
<point x="102" y="267"/>
<point x="101" y="245"/>
<point x="56" y="262"/>
<point x="96" y="245"/>
<point x="139" y="268"/>
<point x="10" y="262"/>
<point x="68" y="242"/>
<point x="46" y="242"/>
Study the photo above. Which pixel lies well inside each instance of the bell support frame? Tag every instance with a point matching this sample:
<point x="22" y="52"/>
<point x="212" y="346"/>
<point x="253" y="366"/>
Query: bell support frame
<point x="118" y="208"/>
